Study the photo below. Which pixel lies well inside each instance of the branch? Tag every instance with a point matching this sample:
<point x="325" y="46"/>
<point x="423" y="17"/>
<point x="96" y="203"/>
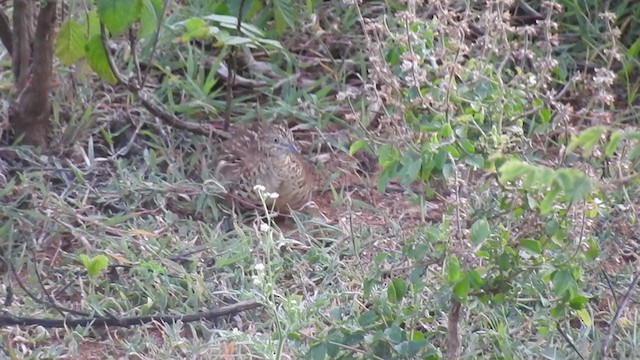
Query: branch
<point x="9" y="320"/>
<point x="453" y="341"/>
<point x="22" y="35"/>
<point x="233" y="68"/>
<point x="614" y="321"/>
<point x="37" y="300"/>
<point x="568" y="340"/>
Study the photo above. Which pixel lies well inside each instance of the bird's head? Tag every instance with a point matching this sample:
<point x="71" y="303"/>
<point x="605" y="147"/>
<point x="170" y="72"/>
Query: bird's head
<point x="278" y="140"/>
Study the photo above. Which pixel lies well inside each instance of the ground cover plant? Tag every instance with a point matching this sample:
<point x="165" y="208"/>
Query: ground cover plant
<point x="477" y="192"/>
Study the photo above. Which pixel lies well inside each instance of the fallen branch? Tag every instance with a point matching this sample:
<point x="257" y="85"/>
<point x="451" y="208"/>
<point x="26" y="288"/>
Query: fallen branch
<point x="9" y="320"/>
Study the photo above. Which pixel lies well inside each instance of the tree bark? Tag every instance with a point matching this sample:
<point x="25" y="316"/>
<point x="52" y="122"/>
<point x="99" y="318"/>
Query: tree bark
<point x="33" y="70"/>
<point x="5" y="32"/>
<point x="23" y="11"/>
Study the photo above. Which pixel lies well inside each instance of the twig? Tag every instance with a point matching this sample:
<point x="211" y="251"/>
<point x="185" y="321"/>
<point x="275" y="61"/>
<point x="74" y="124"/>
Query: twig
<point x="610" y="285"/>
<point x="58" y="308"/>
<point x="614" y="321"/>
<point x="9" y="320"/>
<point x="134" y="54"/>
<point x="156" y="39"/>
<point x="568" y="340"/>
<point x="233" y="67"/>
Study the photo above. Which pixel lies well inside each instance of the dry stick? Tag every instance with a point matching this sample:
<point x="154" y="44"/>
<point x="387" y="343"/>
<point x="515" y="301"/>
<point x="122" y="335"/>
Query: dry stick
<point x="568" y="340"/>
<point x="610" y="285"/>
<point x="609" y="336"/>
<point x="134" y="54"/>
<point x="8" y="320"/>
<point x="233" y="67"/>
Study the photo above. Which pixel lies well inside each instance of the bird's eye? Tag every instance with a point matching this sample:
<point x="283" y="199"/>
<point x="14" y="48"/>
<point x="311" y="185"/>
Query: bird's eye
<point x="276" y="140"/>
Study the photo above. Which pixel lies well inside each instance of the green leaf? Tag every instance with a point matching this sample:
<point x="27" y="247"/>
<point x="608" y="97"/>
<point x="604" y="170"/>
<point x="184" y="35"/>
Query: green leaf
<point x="394" y="334"/>
<point x="532" y="246"/>
<point x="545" y="115"/>
<point x="84" y="259"/>
<point x="453" y="151"/>
<point x="467" y="146"/>
<point x="97" y="59"/>
<point x="196" y="28"/>
<point x="504" y="261"/>
<point x="118" y="15"/>
<point x="561" y="280"/>
<point x="97" y="264"/>
<point x="409" y="349"/>
<point x="150" y="14"/>
<point x="446" y="131"/>
<point x="578" y="302"/>
<point x="475" y="160"/>
<point x="461" y="289"/>
<point x="475" y="280"/>
<point x="452" y="268"/>
<point x="92" y="24"/>
<point x="231" y="22"/>
<point x="284" y="14"/>
<point x="552" y="227"/>
<point x="558" y="311"/>
<point x="384" y="178"/>
<point x="317" y="352"/>
<point x="547" y="203"/>
<point x="409" y="173"/>
<point x="513" y="169"/>
<point x="479" y="231"/>
<point x="70" y="43"/>
<point x="94" y="265"/>
<point x="583" y="314"/>
<point x="592" y="251"/>
<point x="356" y="145"/>
<point x="587" y="139"/>
<point x="396" y="290"/>
<point x="612" y="146"/>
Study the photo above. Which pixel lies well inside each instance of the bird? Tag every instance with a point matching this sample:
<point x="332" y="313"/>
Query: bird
<point x="264" y="157"/>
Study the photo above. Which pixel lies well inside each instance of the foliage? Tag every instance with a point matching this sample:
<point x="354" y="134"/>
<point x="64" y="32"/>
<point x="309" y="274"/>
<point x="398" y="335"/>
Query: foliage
<point x="507" y="182"/>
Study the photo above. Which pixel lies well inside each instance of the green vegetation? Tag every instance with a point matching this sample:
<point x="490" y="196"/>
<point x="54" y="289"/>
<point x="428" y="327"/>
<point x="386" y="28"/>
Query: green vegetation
<point x="480" y="197"/>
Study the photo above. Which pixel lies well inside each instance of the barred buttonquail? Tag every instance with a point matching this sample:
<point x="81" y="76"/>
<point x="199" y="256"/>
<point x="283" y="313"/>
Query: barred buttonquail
<point x="265" y="154"/>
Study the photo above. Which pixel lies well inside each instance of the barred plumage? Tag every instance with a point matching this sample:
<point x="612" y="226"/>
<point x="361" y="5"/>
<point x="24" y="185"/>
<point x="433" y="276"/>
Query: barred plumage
<point x="266" y="155"/>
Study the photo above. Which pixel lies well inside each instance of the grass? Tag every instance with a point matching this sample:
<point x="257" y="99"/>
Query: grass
<point x="372" y="274"/>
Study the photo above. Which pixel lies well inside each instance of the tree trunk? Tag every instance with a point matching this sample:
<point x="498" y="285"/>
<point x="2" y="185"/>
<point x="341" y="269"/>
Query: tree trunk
<point x="32" y="70"/>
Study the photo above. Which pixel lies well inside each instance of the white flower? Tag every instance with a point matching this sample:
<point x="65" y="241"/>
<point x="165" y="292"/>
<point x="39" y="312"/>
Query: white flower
<point x="274" y="195"/>
<point x="259" y="188"/>
<point x="259" y="266"/>
<point x="264" y="227"/>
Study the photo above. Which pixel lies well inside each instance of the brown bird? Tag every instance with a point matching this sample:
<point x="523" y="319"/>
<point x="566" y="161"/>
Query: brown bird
<point x="265" y="154"/>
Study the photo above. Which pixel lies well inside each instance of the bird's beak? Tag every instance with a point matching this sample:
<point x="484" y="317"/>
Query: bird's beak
<point x="291" y="148"/>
